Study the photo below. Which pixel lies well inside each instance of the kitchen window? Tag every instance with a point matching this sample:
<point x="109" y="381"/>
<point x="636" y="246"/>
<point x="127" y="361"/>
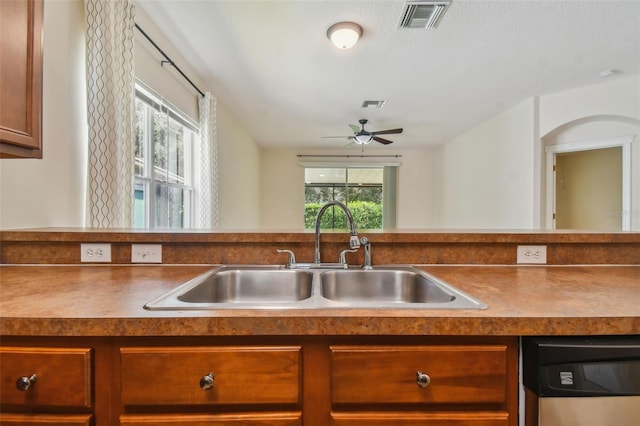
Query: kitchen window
<point x="368" y="191"/>
<point x="164" y="144"/>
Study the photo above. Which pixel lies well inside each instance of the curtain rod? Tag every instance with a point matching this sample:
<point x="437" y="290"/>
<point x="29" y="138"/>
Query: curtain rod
<point x="349" y="156"/>
<point x="168" y="60"/>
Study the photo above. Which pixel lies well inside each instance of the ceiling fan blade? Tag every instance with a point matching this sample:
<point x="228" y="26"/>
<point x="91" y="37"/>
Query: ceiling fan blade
<point x="355" y="128"/>
<point x="337" y="137"/>
<point x="387" y="132"/>
<point x="381" y="140"/>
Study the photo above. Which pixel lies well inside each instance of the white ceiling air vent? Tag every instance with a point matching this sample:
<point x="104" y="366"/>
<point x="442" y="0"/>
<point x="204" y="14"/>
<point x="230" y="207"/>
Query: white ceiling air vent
<point x="373" y="104"/>
<point x="423" y="14"/>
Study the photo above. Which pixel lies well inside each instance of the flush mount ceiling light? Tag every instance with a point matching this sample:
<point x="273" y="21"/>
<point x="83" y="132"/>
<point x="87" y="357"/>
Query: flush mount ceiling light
<point x="344" y="34"/>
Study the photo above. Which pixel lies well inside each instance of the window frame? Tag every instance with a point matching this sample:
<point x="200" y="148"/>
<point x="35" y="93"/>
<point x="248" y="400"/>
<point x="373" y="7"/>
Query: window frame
<point x="148" y="181"/>
<point x="387" y="187"/>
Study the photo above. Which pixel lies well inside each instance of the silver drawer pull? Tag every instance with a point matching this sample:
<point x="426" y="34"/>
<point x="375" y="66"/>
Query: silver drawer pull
<point x="206" y="382"/>
<point x="24" y="382"/>
<point x="422" y="379"/>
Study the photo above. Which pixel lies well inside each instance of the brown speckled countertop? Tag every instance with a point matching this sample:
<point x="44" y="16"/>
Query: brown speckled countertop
<point x="523" y="300"/>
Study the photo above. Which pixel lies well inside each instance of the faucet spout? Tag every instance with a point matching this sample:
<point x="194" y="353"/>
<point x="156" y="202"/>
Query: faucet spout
<point x="354" y="242"/>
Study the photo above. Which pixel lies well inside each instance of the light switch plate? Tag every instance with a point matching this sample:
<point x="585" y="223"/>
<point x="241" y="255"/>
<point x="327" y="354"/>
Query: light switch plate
<point x="146" y="253"/>
<point x="532" y="254"/>
<point x="95" y="252"/>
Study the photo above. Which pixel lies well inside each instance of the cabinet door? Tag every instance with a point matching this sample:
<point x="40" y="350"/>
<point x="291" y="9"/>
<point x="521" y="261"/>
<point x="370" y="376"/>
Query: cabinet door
<point x="389" y="374"/>
<point x="237" y="375"/>
<point x="21" y="78"/>
<point x="49" y="377"/>
<point x="412" y="419"/>
<point x="257" y="419"/>
<point x="45" y="419"/>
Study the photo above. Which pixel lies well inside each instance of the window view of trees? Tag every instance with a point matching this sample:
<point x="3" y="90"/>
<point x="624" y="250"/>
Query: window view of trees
<point x="359" y="188"/>
<point x="163" y="146"/>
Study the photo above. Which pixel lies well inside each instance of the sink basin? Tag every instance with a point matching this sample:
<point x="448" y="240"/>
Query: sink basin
<point x="381" y="286"/>
<point x="274" y="287"/>
<point x="246" y="285"/>
<point x="240" y="285"/>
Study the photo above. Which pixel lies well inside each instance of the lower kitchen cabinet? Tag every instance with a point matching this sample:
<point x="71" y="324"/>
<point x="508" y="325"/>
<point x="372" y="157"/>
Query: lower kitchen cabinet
<point x="45" y="419"/>
<point x="277" y="380"/>
<point x="193" y="376"/>
<point x="411" y="419"/>
<point x="45" y="385"/>
<point x="211" y="378"/>
<point x="423" y="375"/>
<point x="257" y="419"/>
<point x="451" y="384"/>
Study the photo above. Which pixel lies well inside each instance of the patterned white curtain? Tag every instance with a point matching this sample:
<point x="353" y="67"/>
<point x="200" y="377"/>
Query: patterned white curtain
<point x="208" y="212"/>
<point x="110" y="100"/>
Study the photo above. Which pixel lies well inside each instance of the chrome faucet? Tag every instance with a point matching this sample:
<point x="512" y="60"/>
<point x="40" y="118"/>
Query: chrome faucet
<point x="354" y="242"/>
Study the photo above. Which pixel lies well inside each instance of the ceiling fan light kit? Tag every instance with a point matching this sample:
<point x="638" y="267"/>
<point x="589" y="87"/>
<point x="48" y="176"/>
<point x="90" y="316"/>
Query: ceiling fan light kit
<point x="363" y="137"/>
<point x="344" y="35"/>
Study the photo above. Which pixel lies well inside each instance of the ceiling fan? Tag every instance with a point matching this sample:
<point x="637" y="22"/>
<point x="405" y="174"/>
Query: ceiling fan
<point x="363" y="137"/>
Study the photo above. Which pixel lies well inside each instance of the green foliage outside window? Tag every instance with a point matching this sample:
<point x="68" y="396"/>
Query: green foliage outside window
<point x="366" y="214"/>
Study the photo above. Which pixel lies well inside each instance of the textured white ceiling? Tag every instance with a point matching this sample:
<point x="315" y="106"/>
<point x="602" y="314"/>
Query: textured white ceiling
<point x="272" y="65"/>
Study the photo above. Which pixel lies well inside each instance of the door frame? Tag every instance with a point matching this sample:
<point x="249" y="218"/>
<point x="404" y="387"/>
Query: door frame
<point x="551" y="152"/>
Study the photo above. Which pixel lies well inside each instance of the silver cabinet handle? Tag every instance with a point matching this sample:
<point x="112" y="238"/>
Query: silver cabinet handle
<point x="422" y="379"/>
<point x="206" y="382"/>
<point x="24" y="382"/>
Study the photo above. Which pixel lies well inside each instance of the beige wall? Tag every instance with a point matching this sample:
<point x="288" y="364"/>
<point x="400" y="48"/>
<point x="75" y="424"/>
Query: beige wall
<point x="487" y="174"/>
<point x="238" y="174"/>
<point x="164" y="79"/>
<point x="486" y="178"/>
<point x="51" y="191"/>
<point x="493" y="175"/>
<point x="238" y="154"/>
<point x="617" y="96"/>
<point x="281" y="190"/>
<point x="604" y="111"/>
<point x="282" y="185"/>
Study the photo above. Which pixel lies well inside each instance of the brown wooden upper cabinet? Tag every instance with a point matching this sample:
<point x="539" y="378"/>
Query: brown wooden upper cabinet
<point x="21" y="78"/>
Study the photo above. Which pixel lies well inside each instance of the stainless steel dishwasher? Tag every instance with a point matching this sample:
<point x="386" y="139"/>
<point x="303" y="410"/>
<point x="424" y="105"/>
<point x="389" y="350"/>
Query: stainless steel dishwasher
<point x="582" y="381"/>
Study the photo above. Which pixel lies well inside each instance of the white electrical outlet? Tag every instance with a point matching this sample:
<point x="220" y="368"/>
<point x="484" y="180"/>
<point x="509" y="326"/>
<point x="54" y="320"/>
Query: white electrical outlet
<point x="146" y="253"/>
<point x="95" y="252"/>
<point x="532" y="254"/>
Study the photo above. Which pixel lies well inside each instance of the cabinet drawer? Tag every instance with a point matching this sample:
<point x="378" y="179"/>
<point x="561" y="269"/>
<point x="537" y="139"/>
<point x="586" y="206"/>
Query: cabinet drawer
<point x="258" y="419"/>
<point x="45" y="419"/>
<point x="62" y="376"/>
<point x="388" y="374"/>
<point x="412" y="419"/>
<point x="241" y="375"/>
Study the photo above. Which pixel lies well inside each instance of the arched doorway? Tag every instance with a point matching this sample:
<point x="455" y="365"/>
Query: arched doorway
<point x="587" y="182"/>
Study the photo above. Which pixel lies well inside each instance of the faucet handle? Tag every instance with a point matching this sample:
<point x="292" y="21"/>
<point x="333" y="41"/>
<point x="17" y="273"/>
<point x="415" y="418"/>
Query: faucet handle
<point x="292" y="256"/>
<point x="367" y="253"/>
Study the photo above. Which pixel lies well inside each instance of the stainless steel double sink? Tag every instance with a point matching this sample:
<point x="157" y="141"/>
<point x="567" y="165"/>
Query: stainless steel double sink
<point x="275" y="287"/>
